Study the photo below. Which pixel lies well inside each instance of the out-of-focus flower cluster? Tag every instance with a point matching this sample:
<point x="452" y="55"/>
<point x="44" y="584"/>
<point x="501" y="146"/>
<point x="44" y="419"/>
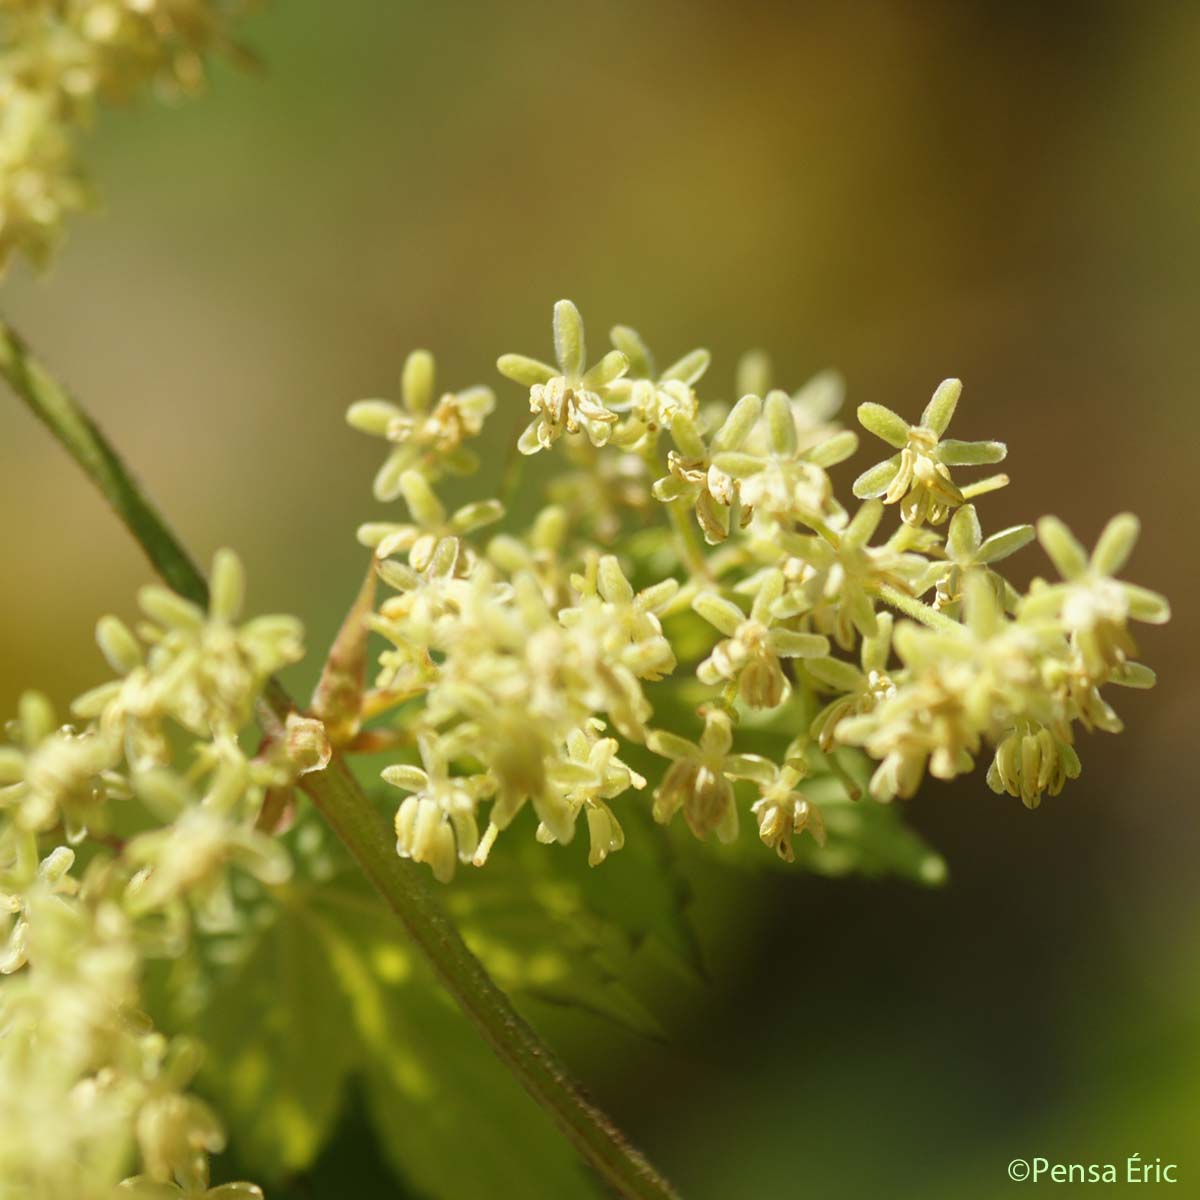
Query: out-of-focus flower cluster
<point x="119" y="836"/>
<point x="694" y="555"/>
<point x="58" y="58"/>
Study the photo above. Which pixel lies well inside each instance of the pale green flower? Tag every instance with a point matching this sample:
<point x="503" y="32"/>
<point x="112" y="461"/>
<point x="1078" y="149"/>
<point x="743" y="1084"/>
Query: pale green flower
<point x="86" y="1085"/>
<point x="700" y="778"/>
<point x="57" y="58"/>
<point x="39" y="183"/>
<point x="968" y="549"/>
<point x="603" y="492"/>
<point x="17" y="883"/>
<point x="813" y="406"/>
<point x="919" y="476"/>
<point x="539" y="552"/>
<point x="1031" y="761"/>
<point x="783" y="812"/>
<point x="199" y="668"/>
<point x="782" y="478"/>
<point x="834" y="578"/>
<point x="436" y="824"/>
<point x="428" y="437"/>
<point x="650" y="401"/>
<point x="515" y="660"/>
<point x="959" y="684"/>
<point x="70" y="1059"/>
<point x="203" y="834"/>
<point x="571" y="398"/>
<point x="694" y="477"/>
<point x="749" y="657"/>
<point x="72" y="52"/>
<point x="588" y="774"/>
<point x="434" y="541"/>
<point x="624" y="623"/>
<point x="1094" y="607"/>
<point x="861" y="689"/>
<point x="57" y="776"/>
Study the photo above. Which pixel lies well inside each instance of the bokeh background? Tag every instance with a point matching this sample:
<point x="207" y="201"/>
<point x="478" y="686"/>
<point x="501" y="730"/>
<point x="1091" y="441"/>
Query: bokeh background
<point x="1005" y="192"/>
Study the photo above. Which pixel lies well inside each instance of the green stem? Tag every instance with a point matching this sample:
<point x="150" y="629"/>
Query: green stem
<point x="683" y="527"/>
<point x="680" y="515"/>
<point x="88" y="447"/>
<point x="350" y="814"/>
<point x="913" y="608"/>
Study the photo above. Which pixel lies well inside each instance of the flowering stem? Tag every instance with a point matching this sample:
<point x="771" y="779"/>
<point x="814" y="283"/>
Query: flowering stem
<point x="88" y="447"/>
<point x="350" y="814"/>
<point x="913" y="608"/>
<point x="680" y="515"/>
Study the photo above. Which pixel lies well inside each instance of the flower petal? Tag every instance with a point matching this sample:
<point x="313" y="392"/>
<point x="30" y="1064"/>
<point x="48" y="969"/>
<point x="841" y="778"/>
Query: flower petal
<point x="970" y="454"/>
<point x="416" y="381"/>
<point x="876" y="480"/>
<point x="884" y="424"/>
<point x="1007" y="541"/>
<point x="570" y="348"/>
<point x="523" y="370"/>
<point x="940" y="409"/>
<point x="1060" y="544"/>
<point x="1116" y="544"/>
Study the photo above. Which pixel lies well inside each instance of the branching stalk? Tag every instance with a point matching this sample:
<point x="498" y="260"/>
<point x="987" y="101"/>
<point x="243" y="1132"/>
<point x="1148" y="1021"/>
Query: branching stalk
<point x="350" y="814"/>
<point x="913" y="608"/>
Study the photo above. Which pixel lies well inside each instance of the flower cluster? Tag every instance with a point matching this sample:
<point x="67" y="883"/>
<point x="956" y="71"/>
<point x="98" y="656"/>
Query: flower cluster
<point x="695" y="555"/>
<point x="155" y="795"/>
<point x="57" y="59"/>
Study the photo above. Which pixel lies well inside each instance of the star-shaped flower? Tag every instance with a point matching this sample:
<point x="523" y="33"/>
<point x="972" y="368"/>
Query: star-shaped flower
<point x="1092" y="605"/>
<point x="784" y="812"/>
<point x="694" y="476"/>
<point x="624" y="623"/>
<point x="749" y="656"/>
<point x="587" y="775"/>
<point x="861" y="689"/>
<point x="436" y="823"/>
<point x="967" y="549"/>
<point x="835" y="577"/>
<point x="571" y="398"/>
<point x="652" y="399"/>
<point x="700" y="777"/>
<point x="434" y="539"/>
<point x="782" y="478"/>
<point x="918" y="478"/>
<point x="427" y="437"/>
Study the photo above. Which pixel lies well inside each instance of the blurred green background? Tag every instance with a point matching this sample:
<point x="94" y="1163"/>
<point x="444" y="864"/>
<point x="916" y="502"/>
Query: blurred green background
<point x="1004" y="192"/>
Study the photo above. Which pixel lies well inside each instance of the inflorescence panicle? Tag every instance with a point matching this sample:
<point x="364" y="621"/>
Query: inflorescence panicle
<point x="528" y="664"/>
<point x="689" y="581"/>
<point x="86" y="1082"/>
<point x="58" y="60"/>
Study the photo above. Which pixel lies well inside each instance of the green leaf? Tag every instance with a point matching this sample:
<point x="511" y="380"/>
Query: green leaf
<point x="324" y="988"/>
<point x="867" y="838"/>
<point x="644" y="890"/>
<point x="279" y="1049"/>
